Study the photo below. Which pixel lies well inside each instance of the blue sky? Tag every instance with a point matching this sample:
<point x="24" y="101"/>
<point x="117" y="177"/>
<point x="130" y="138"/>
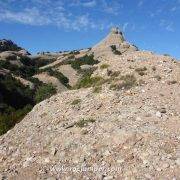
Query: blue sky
<point x="55" y="25"/>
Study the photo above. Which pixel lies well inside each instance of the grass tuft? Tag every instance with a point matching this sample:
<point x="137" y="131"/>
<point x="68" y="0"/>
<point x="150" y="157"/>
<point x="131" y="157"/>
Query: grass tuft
<point x="76" y="101"/>
<point x="104" y="66"/>
<point x="84" y="122"/>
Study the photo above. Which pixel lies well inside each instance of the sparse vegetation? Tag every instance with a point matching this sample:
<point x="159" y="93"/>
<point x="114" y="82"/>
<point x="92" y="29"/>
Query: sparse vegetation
<point x="63" y="79"/>
<point x="104" y="66"/>
<point x="115" y="51"/>
<point x="75" y="52"/>
<point x="128" y="81"/>
<point x="84" y="122"/>
<point x="141" y="71"/>
<point x="44" y="92"/>
<point x="23" y="71"/>
<point x="88" y="81"/>
<point x="76" y="101"/>
<point x="12" y="116"/>
<point x="158" y="77"/>
<point x="16" y="100"/>
<point x="115" y="74"/>
<point x="97" y="89"/>
<point x="87" y="59"/>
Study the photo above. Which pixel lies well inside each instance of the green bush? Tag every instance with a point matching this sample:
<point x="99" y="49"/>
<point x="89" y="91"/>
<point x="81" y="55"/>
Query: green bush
<point x="38" y="61"/>
<point x="16" y="100"/>
<point x="113" y="47"/>
<point x="44" y="92"/>
<point x="87" y="59"/>
<point x="14" y="93"/>
<point x="9" y="118"/>
<point x="115" y="51"/>
<point x="23" y="71"/>
<point x="88" y="81"/>
<point x="63" y="79"/>
<point x="104" y="66"/>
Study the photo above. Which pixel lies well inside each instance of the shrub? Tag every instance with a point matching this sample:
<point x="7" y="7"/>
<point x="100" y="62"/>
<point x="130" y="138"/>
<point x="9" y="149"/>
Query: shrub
<point x="74" y="52"/>
<point x="141" y="71"/>
<point x="84" y="122"/>
<point x="14" y="93"/>
<point x="44" y="92"/>
<point x="76" y="101"/>
<point x="88" y="81"/>
<point x="115" y="51"/>
<point x="63" y="79"/>
<point x="104" y="66"/>
<point x="38" y="61"/>
<point x="115" y="74"/>
<point x="113" y="47"/>
<point x="97" y="89"/>
<point x="128" y="81"/>
<point x="23" y="71"/>
<point x="87" y="59"/>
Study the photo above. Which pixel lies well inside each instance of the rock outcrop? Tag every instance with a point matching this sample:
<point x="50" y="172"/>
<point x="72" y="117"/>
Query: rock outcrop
<point x="8" y="45"/>
<point x="114" y="39"/>
<point x="11" y="51"/>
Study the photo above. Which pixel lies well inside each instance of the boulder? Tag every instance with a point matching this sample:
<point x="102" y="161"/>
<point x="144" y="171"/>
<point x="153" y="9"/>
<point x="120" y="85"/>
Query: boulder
<point x="86" y="67"/>
<point x="8" y="55"/>
<point x="23" y="52"/>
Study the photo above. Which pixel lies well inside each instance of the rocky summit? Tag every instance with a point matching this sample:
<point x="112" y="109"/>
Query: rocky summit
<point x="118" y="118"/>
<point x="114" y="41"/>
<point x="8" y="45"/>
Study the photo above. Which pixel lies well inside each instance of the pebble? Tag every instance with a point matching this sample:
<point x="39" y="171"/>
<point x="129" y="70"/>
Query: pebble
<point x="178" y="161"/>
<point x="53" y="151"/>
<point x="158" y="114"/>
<point x="120" y="161"/>
<point x="165" y="165"/>
<point x="108" y="178"/>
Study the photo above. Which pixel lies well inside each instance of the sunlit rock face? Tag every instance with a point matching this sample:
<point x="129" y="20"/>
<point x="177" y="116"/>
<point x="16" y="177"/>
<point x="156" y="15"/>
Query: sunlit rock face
<point x="116" y="39"/>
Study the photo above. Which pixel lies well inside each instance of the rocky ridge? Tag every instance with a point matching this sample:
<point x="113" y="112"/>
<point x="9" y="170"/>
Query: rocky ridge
<point x="8" y="45"/>
<point x="124" y="125"/>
